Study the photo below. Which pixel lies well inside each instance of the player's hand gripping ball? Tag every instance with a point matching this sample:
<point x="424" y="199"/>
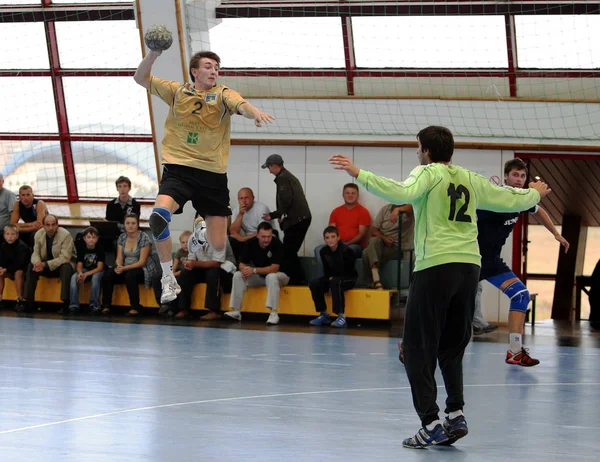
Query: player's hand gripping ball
<point x="158" y="38"/>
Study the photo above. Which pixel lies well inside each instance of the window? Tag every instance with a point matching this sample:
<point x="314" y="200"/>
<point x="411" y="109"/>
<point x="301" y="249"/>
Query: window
<point x="38" y="164"/>
<point x="279" y="42"/>
<point x="28" y="52"/>
<point x="99" y="164"/>
<point x="106" y="105"/>
<point x="109" y="44"/>
<point x="27" y="105"/>
<point x="558" y="41"/>
<point x="430" y="42"/>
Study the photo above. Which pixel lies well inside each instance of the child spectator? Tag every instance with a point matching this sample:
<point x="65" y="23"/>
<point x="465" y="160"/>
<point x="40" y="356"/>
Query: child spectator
<point x="14" y="258"/>
<point x="182" y="253"/>
<point x="339" y="275"/>
<point x="90" y="266"/>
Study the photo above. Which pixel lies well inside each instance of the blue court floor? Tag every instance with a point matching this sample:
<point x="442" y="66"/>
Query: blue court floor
<point x="97" y="391"/>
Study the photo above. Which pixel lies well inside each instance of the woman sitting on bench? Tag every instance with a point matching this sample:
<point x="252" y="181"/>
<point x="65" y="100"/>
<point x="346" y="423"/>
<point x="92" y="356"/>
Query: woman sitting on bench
<point x="133" y="266"/>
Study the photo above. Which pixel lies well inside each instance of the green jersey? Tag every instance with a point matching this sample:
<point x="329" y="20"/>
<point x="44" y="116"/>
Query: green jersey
<point x="444" y="199"/>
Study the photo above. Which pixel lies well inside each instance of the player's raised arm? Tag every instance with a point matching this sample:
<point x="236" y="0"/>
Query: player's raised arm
<point x="158" y="38"/>
<point x="143" y="73"/>
<point x="250" y="112"/>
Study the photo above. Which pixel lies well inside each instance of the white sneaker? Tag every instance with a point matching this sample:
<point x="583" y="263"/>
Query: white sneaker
<point x="170" y="289"/>
<point x="234" y="314"/>
<point x="273" y="319"/>
<point x="198" y="238"/>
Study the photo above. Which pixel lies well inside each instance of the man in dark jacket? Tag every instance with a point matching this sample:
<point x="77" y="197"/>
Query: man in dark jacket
<point x="595" y="298"/>
<point x="339" y="275"/>
<point x="292" y="212"/>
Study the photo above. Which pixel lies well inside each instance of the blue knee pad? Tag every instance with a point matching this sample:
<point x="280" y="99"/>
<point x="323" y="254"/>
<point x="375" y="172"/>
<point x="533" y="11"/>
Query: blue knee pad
<point x="159" y="223"/>
<point x="519" y="296"/>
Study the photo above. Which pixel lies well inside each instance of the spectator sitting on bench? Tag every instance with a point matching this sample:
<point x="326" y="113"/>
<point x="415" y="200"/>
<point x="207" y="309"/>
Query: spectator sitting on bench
<point x="352" y="221"/>
<point x="133" y="266"/>
<point x="53" y="257"/>
<point x="339" y="275"/>
<point x="182" y="254"/>
<point x="32" y="211"/>
<point x="245" y="219"/>
<point x="7" y="205"/>
<point x="90" y="267"/>
<point x="383" y="245"/>
<point x="14" y="258"/>
<point x="216" y="270"/>
<point x="259" y="266"/>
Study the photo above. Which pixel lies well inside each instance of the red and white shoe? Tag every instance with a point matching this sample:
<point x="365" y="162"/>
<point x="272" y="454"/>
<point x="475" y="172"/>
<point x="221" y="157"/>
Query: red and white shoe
<point x="521" y="358"/>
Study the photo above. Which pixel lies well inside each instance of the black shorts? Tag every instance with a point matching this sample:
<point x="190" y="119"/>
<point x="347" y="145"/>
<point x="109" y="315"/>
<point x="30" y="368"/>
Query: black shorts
<point x="493" y="267"/>
<point x="208" y="191"/>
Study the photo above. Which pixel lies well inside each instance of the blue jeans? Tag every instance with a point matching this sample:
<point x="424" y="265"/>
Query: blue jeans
<point x="96" y="287"/>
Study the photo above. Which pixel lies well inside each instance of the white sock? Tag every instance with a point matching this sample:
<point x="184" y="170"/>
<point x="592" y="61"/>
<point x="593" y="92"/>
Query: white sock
<point x="433" y="424"/>
<point x="167" y="268"/>
<point x="515" y="342"/>
<point x="455" y="414"/>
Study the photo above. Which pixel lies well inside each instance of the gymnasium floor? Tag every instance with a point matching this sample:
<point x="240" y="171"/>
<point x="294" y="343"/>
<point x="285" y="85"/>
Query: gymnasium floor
<point x="77" y="390"/>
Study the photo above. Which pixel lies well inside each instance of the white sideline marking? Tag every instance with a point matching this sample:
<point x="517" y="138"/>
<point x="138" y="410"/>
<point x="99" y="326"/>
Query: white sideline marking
<point x="274" y="395"/>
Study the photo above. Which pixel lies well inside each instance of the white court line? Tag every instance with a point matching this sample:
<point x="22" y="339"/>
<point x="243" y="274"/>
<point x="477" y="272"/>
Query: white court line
<point x="260" y="355"/>
<point x="373" y="354"/>
<point x="288" y="354"/>
<point x="277" y="395"/>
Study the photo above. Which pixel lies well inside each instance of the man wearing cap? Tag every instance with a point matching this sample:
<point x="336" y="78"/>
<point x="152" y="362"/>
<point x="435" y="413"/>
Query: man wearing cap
<point x="293" y="214"/>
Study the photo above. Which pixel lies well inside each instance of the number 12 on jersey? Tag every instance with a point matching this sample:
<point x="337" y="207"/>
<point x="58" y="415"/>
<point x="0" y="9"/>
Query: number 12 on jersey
<point x="456" y="193"/>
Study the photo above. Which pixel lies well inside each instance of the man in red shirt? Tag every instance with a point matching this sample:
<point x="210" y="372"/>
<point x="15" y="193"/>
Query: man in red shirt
<point x="352" y="221"/>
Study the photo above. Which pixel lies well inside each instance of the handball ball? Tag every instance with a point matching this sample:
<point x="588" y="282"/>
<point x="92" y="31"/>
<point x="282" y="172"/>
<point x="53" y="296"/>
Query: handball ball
<point x="158" y="37"/>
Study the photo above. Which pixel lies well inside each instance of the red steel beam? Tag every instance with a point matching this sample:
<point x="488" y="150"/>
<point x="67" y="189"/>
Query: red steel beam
<point x="349" y="58"/>
<point x="511" y="47"/>
<point x="61" y="112"/>
<point x="85" y="137"/>
<point x="421" y="8"/>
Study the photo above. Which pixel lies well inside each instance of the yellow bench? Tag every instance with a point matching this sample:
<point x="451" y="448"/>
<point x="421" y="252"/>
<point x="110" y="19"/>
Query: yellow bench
<point x="360" y="303"/>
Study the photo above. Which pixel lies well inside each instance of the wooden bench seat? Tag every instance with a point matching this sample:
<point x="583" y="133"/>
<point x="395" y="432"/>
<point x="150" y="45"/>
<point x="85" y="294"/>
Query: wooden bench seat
<point x="360" y="303"/>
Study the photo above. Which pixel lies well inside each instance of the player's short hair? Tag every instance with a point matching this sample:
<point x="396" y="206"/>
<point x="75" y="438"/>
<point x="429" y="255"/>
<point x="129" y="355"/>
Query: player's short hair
<point x="13" y="227"/>
<point x="49" y="215"/>
<point x="438" y="141"/>
<point x="195" y="60"/>
<point x="90" y="230"/>
<point x="514" y="164"/>
<point x="332" y="230"/>
<point x="350" y="185"/>
<point x="123" y="179"/>
<point x="24" y="187"/>
<point x="264" y="225"/>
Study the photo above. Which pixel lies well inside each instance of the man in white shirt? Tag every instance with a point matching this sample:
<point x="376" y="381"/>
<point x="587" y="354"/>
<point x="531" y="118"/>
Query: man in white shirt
<point x="245" y="219"/>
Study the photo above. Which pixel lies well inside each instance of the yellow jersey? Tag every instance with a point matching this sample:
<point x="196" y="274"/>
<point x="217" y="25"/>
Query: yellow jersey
<point x="197" y="129"/>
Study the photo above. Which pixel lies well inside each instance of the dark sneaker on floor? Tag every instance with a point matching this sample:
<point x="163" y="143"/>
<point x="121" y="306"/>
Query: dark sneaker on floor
<point x="455" y="429"/>
<point x="484" y="330"/>
<point x="425" y="438"/>
<point x="521" y="358"/>
<point x="400" y="353"/>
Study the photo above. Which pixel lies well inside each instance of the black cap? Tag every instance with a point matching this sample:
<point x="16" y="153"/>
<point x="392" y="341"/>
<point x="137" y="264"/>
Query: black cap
<point x="273" y="159"/>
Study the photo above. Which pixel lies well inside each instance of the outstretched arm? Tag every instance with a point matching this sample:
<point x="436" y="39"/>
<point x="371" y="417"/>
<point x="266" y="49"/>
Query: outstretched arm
<point x="545" y="218"/>
<point x="250" y="112"/>
<point x="143" y="73"/>
<point x="396" y="192"/>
